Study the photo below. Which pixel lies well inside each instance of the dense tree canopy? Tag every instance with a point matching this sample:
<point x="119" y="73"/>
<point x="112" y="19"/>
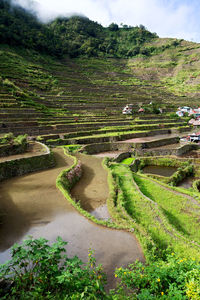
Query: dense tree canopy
<point x="75" y="36"/>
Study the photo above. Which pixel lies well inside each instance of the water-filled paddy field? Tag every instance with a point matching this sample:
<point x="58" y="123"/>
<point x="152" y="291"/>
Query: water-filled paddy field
<point x="159" y="170"/>
<point x="32" y="205"/>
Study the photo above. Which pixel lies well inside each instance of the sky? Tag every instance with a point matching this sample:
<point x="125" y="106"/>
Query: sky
<point x="168" y="18"/>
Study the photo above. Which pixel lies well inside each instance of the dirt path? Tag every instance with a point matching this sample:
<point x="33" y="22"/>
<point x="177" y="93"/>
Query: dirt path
<point x="32" y="205"/>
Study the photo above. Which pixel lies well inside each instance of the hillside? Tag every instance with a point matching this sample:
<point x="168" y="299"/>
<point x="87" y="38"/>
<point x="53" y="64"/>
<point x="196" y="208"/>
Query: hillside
<point x="65" y="83"/>
<point x="73" y="36"/>
<point x="174" y="64"/>
<point x="56" y="76"/>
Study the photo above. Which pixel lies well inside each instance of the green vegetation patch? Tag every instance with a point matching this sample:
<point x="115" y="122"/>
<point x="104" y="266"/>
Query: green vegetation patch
<point x="38" y="270"/>
<point x="174" y="278"/>
<point x="165" y="227"/>
<point x="128" y="161"/>
<point x="180" y="212"/>
<point x="73" y="148"/>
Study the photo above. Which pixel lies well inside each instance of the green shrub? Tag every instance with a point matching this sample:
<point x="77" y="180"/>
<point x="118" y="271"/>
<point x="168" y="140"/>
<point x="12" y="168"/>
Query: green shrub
<point x="8" y="137"/>
<point x="38" y="270"/>
<point x="9" y="84"/>
<point x="73" y="148"/>
<point x="20" y="139"/>
<point x="174" y="278"/>
<point x="196" y="185"/>
<point x="181" y="174"/>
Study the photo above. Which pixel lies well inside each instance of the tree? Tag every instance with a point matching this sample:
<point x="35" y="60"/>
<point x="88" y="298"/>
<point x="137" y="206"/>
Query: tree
<point x="113" y="27"/>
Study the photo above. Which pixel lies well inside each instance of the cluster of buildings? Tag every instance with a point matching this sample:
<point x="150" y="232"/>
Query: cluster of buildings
<point x="128" y="109"/>
<point x="195" y="121"/>
<point x="194" y="113"/>
<point x="194" y="138"/>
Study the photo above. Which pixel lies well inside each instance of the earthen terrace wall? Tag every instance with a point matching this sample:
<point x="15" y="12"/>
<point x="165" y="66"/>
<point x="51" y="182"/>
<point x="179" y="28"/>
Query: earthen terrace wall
<point x="21" y="166"/>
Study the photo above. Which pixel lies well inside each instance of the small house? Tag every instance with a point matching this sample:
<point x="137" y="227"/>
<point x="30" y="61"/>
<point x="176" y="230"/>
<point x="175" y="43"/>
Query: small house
<point x="195" y="137"/>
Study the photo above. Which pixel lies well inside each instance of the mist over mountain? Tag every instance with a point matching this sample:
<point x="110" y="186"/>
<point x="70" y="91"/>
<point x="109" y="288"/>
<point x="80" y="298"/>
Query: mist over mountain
<point x="74" y="36"/>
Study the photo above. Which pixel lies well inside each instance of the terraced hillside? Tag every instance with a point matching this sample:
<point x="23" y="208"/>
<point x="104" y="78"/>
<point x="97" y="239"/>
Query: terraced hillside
<point x="174" y="65"/>
<point x="41" y="95"/>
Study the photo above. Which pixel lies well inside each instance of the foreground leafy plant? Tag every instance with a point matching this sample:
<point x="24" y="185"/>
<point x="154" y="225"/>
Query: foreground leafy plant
<point x="38" y="270"/>
<point x="174" y="278"/>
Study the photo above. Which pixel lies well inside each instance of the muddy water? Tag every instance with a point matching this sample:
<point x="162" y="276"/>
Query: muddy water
<point x="110" y="154"/>
<point x="101" y="212"/>
<point x="186" y="183"/>
<point x="159" y="170"/>
<point x="92" y="190"/>
<point x="32" y="205"/>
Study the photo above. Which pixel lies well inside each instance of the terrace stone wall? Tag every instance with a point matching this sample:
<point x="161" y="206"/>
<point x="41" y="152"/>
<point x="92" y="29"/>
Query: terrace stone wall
<point x="104" y="147"/>
<point x="162" y="152"/>
<point x="21" y="166"/>
<point x="122" y="156"/>
<point x="7" y="149"/>
<point x="157" y="143"/>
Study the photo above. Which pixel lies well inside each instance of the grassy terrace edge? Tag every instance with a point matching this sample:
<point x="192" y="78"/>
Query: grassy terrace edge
<point x="121" y="220"/>
<point x="147" y="214"/>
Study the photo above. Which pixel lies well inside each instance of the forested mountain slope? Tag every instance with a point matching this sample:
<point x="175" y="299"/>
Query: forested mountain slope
<point x="75" y="60"/>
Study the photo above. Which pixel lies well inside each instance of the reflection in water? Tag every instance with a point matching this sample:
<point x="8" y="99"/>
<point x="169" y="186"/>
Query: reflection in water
<point x="159" y="170"/>
<point x="187" y="182"/>
<point x="91" y="190"/>
<point x="32" y="205"/>
<point x="101" y="212"/>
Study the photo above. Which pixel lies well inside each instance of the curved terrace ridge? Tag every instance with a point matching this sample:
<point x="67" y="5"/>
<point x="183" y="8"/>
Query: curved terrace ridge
<point x="32" y="205"/>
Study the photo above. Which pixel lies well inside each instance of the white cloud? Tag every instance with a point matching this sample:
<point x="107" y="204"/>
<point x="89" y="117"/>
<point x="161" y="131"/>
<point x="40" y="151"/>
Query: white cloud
<point x="166" y="18"/>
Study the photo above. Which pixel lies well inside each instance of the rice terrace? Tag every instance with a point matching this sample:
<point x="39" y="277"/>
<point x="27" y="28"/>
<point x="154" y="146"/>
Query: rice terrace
<point x="99" y="161"/>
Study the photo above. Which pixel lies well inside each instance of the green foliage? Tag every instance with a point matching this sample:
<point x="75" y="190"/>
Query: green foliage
<point x="38" y="270"/>
<point x="74" y="36"/>
<point x="21" y="28"/>
<point x="173" y="115"/>
<point x="196" y="185"/>
<point x="113" y="27"/>
<point x="73" y="148"/>
<point x="7" y="138"/>
<point x="128" y="161"/>
<point x="20" y="139"/>
<point x="174" y="278"/>
<point x="181" y="174"/>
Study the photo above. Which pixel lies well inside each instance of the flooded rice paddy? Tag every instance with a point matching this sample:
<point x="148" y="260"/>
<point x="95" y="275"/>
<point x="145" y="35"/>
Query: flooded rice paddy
<point x="187" y="182"/>
<point x="32" y="205"/>
<point x="159" y="170"/>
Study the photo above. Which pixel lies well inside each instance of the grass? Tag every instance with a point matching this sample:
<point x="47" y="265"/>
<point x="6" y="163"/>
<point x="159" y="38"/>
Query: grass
<point x="176" y="69"/>
<point x="72" y="148"/>
<point x="155" y="219"/>
<point x="128" y="161"/>
<point x="180" y="212"/>
<point x="41" y="82"/>
<point x="121" y="134"/>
